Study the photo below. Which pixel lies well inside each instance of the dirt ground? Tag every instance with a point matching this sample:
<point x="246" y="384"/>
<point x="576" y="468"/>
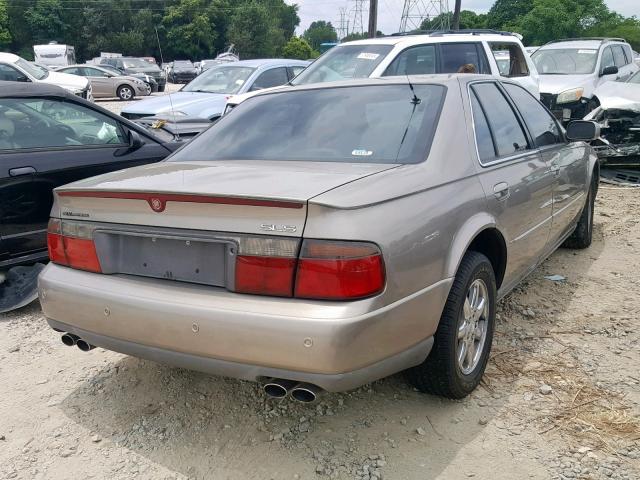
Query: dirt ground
<point x="561" y="397"/>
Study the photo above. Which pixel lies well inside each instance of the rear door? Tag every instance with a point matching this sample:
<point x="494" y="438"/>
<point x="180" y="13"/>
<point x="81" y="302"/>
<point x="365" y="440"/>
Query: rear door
<point x="515" y="178"/>
<point x="57" y="142"/>
<point x="566" y="162"/>
<point x="274" y="77"/>
<point x="101" y="82"/>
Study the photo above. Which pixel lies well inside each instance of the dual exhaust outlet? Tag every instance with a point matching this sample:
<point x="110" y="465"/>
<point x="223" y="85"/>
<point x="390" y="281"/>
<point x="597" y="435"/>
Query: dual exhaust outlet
<point x="302" y="392"/>
<point x="69" y="339"/>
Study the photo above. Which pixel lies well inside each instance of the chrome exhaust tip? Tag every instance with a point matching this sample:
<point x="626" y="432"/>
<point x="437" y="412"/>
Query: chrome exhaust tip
<point x="69" y="339"/>
<point x="84" y="345"/>
<point x="278" y="388"/>
<point x="306" y="393"/>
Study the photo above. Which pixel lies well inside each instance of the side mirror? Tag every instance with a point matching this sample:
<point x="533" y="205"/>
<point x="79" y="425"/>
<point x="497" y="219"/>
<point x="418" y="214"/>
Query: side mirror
<point x="583" y="130"/>
<point x="135" y="142"/>
<point x="610" y="70"/>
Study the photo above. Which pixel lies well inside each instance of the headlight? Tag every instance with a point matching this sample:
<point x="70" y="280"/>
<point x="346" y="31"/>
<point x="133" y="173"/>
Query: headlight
<point x="569" y="96"/>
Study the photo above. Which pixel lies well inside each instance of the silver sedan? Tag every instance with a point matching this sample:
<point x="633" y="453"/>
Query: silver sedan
<point x="106" y="84"/>
<point x="324" y="236"/>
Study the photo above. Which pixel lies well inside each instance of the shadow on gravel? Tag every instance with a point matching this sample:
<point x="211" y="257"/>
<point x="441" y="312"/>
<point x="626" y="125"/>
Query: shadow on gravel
<point x="210" y="427"/>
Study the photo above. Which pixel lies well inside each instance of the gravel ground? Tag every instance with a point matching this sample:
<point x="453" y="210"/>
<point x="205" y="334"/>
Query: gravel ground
<point x="116" y="105"/>
<point x="560" y="400"/>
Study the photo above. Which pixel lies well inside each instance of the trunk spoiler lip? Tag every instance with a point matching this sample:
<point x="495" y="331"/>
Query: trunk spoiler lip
<point x="158" y="201"/>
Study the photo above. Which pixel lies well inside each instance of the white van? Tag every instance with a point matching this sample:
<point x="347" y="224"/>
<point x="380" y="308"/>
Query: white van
<point x="54" y="54"/>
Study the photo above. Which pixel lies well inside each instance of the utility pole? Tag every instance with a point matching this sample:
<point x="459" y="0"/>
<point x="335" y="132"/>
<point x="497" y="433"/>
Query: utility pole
<point x="456" y="15"/>
<point x="343" y="25"/>
<point x="373" y="18"/>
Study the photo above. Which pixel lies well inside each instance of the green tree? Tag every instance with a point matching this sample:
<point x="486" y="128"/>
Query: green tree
<point x="299" y="48"/>
<point x="5" y="33"/>
<point x="250" y="31"/>
<point x="468" y="20"/>
<point x="46" y="20"/>
<point x="320" y="32"/>
<point x="504" y="13"/>
<point x="189" y="31"/>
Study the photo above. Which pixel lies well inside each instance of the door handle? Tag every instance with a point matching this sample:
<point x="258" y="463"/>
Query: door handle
<point x="16" y="172"/>
<point x="501" y="191"/>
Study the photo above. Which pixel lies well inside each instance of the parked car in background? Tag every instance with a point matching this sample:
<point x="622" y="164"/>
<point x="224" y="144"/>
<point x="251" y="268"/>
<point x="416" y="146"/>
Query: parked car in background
<point x="54" y="54"/>
<point x="570" y="70"/>
<point x="16" y="69"/>
<point x="531" y="50"/>
<point x="205" y="65"/>
<point x="49" y="137"/>
<point x="339" y="233"/>
<point x="206" y="95"/>
<point x="106" y="84"/>
<point x="485" y="51"/>
<point x="182" y="71"/>
<point x="133" y="66"/>
<point x="151" y="83"/>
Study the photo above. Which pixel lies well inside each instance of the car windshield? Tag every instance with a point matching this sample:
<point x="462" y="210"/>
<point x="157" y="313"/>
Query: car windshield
<point x="360" y="124"/>
<point x="224" y="79"/>
<point x="135" y="63"/>
<point x="344" y="62"/>
<point x="635" y="78"/>
<point x="565" y="61"/>
<point x="35" y="71"/>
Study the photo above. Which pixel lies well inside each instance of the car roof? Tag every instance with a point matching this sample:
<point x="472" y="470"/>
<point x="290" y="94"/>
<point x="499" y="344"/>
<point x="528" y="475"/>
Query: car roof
<point x="445" y="79"/>
<point x="23" y="89"/>
<point x="8" y="57"/>
<point x="434" y="37"/>
<point x="266" y="62"/>
<point x="591" y="43"/>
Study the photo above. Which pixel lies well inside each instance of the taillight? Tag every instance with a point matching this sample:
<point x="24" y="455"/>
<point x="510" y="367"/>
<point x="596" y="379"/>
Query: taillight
<point x="333" y="270"/>
<point x="266" y="266"/>
<point x="71" y="244"/>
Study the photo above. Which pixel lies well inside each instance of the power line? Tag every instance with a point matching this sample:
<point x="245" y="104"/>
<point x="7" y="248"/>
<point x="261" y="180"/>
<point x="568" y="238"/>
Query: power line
<point x="415" y="12"/>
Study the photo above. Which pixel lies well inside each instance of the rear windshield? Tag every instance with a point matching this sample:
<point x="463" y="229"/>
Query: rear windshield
<point x="565" y="61"/>
<point x="363" y="124"/>
<point x="344" y="62"/>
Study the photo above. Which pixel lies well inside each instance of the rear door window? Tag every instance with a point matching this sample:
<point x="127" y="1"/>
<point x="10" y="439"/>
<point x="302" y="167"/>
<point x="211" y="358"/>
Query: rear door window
<point x="459" y="57"/>
<point x="484" y="139"/>
<point x="541" y="124"/>
<point x="507" y="132"/>
<point x="510" y="58"/>
<point x="417" y="60"/>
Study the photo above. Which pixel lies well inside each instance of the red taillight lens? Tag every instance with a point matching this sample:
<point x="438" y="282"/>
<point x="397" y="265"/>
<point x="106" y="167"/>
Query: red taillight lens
<point x="265" y="275"/>
<point x="339" y="270"/>
<point x="81" y="254"/>
<point x="71" y="244"/>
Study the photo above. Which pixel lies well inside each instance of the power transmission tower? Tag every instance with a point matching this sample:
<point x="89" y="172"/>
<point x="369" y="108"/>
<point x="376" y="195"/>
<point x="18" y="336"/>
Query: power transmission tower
<point x="417" y="11"/>
<point x="343" y="24"/>
<point x="357" y="25"/>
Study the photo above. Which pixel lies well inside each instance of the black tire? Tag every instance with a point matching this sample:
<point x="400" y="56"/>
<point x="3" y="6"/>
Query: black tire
<point x="125" y="92"/>
<point x="583" y="234"/>
<point x="441" y="374"/>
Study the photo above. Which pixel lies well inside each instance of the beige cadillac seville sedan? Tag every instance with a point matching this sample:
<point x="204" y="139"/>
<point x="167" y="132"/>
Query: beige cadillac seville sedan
<point x="321" y="237"/>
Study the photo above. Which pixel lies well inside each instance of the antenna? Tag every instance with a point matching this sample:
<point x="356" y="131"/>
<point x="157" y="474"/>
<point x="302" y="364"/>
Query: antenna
<point x="176" y="134"/>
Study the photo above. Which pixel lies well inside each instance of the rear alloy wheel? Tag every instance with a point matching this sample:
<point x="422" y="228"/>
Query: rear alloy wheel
<point x="583" y="234"/>
<point x="125" y="92"/>
<point x="463" y="339"/>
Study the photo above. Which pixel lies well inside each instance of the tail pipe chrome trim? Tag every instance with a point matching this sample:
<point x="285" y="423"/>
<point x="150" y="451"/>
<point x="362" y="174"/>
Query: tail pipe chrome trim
<point x="278" y="388"/>
<point x="69" y="339"/>
<point x="306" y="392"/>
<point x="84" y="345"/>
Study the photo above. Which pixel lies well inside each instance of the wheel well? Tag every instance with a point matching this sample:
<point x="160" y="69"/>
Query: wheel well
<point x="490" y="243"/>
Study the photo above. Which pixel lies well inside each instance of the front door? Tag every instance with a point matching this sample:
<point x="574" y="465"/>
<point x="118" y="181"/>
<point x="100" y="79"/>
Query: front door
<point x="55" y="142"/>
<point x="515" y="177"/>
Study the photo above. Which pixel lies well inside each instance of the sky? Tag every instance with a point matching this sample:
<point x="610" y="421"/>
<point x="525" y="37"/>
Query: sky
<point x="390" y="11"/>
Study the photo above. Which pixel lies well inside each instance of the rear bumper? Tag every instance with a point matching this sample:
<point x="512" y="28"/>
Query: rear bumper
<point x="337" y="346"/>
